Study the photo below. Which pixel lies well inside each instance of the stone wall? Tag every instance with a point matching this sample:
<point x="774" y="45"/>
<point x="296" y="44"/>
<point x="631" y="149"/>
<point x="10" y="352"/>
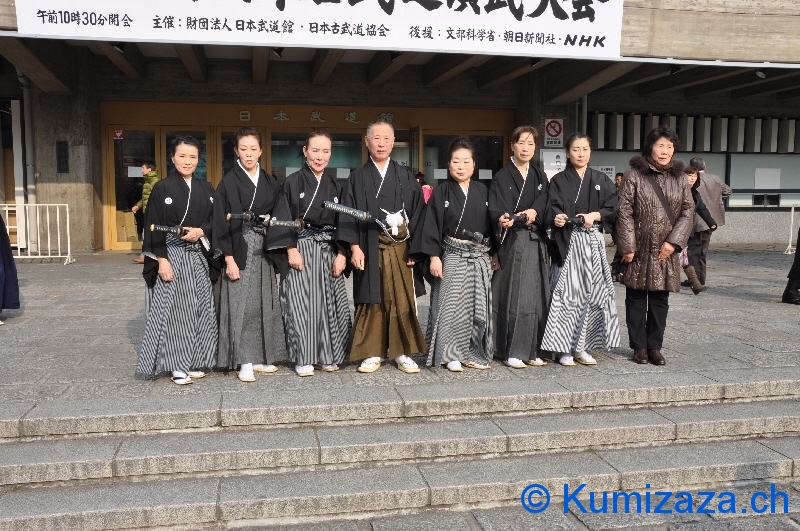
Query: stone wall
<point x="73" y="118"/>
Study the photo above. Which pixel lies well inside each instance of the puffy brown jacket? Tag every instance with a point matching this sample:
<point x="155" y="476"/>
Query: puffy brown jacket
<point x="643" y="225"/>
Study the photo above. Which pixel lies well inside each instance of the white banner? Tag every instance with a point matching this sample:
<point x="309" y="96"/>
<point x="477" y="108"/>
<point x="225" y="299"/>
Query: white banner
<point x="529" y="28"/>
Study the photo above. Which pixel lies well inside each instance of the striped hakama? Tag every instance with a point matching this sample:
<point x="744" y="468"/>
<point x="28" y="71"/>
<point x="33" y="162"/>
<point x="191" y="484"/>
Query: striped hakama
<point x="316" y="312"/>
<point x="521" y="298"/>
<point x="460" y="325"/>
<point x="250" y="324"/>
<point x="583" y="311"/>
<point x="180" y="332"/>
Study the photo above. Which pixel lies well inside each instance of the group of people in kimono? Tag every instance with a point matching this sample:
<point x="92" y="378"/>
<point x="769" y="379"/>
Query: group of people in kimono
<point x="517" y="269"/>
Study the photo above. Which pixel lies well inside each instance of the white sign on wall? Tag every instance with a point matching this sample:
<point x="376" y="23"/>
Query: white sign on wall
<point x="553" y="133"/>
<point x="608" y="170"/>
<point x="527" y="28"/>
<point x="553" y="161"/>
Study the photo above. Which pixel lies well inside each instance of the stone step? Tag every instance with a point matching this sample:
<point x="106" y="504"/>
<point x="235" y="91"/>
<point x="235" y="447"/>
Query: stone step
<point x="195" y="502"/>
<point x="366" y="404"/>
<point x="226" y="450"/>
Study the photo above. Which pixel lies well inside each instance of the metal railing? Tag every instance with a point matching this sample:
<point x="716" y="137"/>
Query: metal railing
<point x="791" y="249"/>
<point x="39" y="231"/>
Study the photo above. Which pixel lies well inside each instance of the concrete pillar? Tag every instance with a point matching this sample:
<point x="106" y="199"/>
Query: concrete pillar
<point x="616" y="131"/>
<point x="736" y="134"/>
<point x="686" y="132"/>
<point x="670" y="121"/>
<point x="719" y="134"/>
<point x="769" y="135"/>
<point x="786" y="132"/>
<point x="634" y="140"/>
<point x="19" y="171"/>
<point x="752" y="135"/>
<point x="650" y="123"/>
<point x="703" y="133"/>
<point x="76" y="119"/>
<point x="599" y="130"/>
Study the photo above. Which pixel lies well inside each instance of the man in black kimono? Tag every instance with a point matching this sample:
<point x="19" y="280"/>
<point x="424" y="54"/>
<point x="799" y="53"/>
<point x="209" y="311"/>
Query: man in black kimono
<point x="385" y="322"/>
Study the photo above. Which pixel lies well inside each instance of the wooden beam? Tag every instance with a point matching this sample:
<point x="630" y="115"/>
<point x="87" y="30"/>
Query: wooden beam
<point x="386" y="64"/>
<point x="47" y="63"/>
<point x="193" y="57"/>
<point x="746" y="79"/>
<point x="788" y="94"/>
<point x="567" y="81"/>
<point x="323" y="65"/>
<point x="260" y="63"/>
<point x="130" y="60"/>
<point x="769" y="86"/>
<point x="642" y="74"/>
<point x="690" y="78"/>
<point x="444" y="67"/>
<point x="503" y="70"/>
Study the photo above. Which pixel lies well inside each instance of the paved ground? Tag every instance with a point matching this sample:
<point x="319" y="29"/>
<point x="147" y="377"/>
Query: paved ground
<point x="77" y="335"/>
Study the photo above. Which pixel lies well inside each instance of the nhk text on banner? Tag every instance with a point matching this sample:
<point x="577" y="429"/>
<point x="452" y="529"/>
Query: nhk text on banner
<point x="527" y="28"/>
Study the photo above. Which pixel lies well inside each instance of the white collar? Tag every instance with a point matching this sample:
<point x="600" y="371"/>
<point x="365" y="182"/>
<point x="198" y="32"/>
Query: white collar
<point x="385" y="168"/>
<point x="252" y="178"/>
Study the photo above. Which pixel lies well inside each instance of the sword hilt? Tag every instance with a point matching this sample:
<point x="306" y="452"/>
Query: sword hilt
<point x="177" y="230"/>
<point x="352" y="212"/>
<point x="296" y="224"/>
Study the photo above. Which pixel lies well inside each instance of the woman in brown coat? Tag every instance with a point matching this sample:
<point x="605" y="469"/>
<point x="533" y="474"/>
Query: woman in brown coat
<point x="654" y="222"/>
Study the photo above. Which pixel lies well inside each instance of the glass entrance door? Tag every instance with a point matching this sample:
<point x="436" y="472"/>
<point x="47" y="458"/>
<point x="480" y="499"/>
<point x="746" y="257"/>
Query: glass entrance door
<point x="131" y="148"/>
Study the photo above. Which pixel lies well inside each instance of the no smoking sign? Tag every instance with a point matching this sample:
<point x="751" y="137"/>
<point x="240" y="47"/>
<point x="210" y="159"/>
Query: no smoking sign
<point x="553" y="133"/>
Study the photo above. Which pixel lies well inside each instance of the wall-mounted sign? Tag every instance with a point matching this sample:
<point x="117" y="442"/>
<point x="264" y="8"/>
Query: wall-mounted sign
<point x="553" y="133"/>
<point x="527" y="28"/>
<point x="244" y="116"/>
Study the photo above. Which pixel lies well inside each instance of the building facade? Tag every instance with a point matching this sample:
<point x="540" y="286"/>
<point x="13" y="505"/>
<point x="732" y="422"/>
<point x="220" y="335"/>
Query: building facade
<point x="80" y="116"/>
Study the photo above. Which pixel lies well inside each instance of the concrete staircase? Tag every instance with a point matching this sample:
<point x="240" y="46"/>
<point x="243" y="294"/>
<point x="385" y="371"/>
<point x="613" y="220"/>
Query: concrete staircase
<point x="222" y="459"/>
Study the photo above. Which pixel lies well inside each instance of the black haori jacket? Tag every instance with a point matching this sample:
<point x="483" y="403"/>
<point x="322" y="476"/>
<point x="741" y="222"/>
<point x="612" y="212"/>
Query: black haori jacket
<point x="166" y="206"/>
<point x="234" y="195"/>
<point x="399" y="188"/>
<point x="503" y="194"/>
<point x="602" y="198"/>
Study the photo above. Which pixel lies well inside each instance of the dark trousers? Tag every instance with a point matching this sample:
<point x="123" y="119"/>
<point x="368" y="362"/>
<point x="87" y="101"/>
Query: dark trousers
<point x="698" y="251"/>
<point x="646" y="315"/>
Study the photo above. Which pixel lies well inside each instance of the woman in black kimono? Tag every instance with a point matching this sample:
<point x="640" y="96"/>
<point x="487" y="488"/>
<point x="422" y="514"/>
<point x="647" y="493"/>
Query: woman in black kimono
<point x="520" y="289"/>
<point x="583" y="311"/>
<point x="456" y="235"/>
<point x="180" y="334"/>
<point x="9" y="285"/>
<point x="316" y="314"/>
<point x="250" y="323"/>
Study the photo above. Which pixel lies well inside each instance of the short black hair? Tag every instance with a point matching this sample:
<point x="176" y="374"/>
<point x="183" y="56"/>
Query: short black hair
<point x="576" y="136"/>
<point x="150" y="165"/>
<point x="188" y="140"/>
<point x="698" y="163"/>
<point x="662" y="131"/>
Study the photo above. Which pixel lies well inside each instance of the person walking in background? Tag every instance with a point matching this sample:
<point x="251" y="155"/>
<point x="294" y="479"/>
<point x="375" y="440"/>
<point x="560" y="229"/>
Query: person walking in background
<point x="316" y="313"/>
<point x="521" y="287"/>
<point x="713" y="191"/>
<point x="655" y="219"/>
<point x="385" y="321"/>
<point x="9" y="283"/>
<point x="700" y="209"/>
<point x="583" y="311"/>
<point x="251" y="334"/>
<point x="180" y="334"/>
<point x="150" y="175"/>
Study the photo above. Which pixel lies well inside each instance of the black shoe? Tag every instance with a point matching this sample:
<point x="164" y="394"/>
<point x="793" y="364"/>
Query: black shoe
<point x="656" y="358"/>
<point x="640" y="356"/>
<point x="791" y="297"/>
<point x="686" y="284"/>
